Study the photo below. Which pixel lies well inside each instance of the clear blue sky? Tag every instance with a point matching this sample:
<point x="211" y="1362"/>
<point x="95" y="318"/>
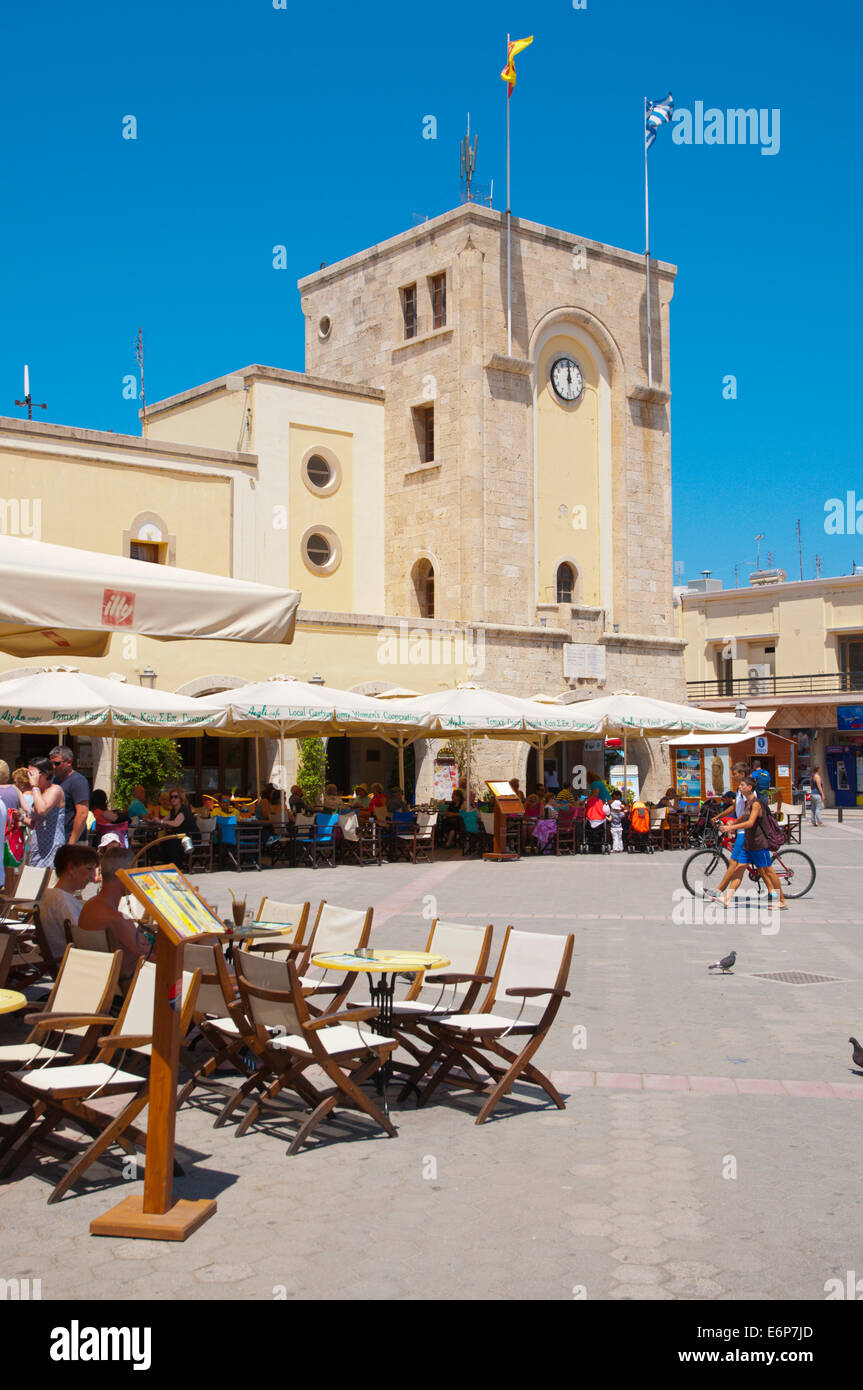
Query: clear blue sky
<point x="303" y="126"/>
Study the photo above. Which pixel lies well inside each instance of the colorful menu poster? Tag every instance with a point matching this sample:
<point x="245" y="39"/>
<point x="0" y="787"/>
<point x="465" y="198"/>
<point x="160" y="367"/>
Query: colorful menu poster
<point x="688" y="776"/>
<point x="173" y="902"/>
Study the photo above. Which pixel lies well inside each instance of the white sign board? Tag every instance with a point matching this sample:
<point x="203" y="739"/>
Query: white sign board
<point x="583" y="661"/>
<point x="626" y="779"/>
<point x="760" y="745"/>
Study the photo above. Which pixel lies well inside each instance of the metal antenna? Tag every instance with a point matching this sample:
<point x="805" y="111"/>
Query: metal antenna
<point x="468" y="160"/>
<point x="800" y="548"/>
<point x="28" y="399"/>
<point x="817" y="566"/>
<point x="139" y="353"/>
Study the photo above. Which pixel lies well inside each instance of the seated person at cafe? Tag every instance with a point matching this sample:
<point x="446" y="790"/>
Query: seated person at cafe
<point x="138" y="804"/>
<point x="296" y="801"/>
<point x="180" y="821"/>
<point x="106" y="819"/>
<point x="669" y="799"/>
<point x="332" y="800"/>
<point x="270" y="804"/>
<point x="377" y="798"/>
<point x="533" y="805"/>
<point x="103" y="914"/>
<point x="75" y="867"/>
<point x="396" y="800"/>
<point x="161" y="807"/>
<point x="362" y="799"/>
<point x="514" y="783"/>
<point x="452" y="817"/>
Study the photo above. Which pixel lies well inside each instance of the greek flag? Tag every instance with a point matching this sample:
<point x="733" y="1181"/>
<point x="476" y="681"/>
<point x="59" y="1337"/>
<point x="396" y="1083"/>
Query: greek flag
<point x="658" y="113"/>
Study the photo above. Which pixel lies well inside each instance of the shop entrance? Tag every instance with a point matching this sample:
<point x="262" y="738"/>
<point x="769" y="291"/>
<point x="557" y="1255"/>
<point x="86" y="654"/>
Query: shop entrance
<point x="845" y="773"/>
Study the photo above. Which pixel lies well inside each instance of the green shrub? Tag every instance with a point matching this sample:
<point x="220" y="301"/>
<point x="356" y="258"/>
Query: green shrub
<point x="152" y="763"/>
<point x="312" y="772"/>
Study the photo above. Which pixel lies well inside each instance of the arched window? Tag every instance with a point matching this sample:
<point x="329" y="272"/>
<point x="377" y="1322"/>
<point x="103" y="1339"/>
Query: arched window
<point x="565" y="583"/>
<point x="423" y="581"/>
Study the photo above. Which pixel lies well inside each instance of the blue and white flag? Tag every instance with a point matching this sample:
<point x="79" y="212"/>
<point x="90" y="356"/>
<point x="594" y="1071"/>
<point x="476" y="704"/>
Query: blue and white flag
<point x="658" y="113"/>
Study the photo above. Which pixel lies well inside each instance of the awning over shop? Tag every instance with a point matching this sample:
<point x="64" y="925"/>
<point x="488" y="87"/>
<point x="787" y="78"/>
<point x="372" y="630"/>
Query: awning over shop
<point x="722" y="740"/>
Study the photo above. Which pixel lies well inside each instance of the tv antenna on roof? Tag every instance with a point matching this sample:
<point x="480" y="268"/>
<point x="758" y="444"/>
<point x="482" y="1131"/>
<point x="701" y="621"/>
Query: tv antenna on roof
<point x="28" y="399"/>
<point x="470" y="194"/>
<point x="139" y="353"/>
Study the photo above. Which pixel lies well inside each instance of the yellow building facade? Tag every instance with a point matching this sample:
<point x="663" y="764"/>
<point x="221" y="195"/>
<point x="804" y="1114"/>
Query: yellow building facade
<point x="793" y="654"/>
<point x="449" y="510"/>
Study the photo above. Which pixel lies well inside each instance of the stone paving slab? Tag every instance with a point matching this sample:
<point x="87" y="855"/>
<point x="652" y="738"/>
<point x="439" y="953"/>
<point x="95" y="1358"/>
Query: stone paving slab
<point x="647" y="1186"/>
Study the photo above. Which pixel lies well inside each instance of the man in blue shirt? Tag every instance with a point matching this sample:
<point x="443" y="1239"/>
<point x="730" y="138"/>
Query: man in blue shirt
<point x="76" y="790"/>
<point x="761" y="778"/>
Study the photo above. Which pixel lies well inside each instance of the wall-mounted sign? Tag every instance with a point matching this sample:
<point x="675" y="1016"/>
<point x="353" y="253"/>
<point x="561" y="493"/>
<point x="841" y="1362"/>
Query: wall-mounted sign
<point x="761" y="744"/>
<point x="849" y="716"/>
<point x="583" y="661"/>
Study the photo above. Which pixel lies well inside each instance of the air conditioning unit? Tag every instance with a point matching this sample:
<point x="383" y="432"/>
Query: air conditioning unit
<point x="759" y="679"/>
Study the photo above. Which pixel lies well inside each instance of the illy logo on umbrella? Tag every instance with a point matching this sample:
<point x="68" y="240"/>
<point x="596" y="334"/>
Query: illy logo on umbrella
<point x="118" y="608"/>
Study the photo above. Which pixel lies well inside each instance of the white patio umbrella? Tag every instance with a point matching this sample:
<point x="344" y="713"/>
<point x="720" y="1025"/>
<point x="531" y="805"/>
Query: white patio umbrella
<point x="623" y="712"/>
<point x="64" y="698"/>
<point x="60" y="601"/>
<point x="469" y="710"/>
<point x="299" y="709"/>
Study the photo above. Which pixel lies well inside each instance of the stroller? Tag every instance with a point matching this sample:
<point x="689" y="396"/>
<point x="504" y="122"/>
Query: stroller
<point x="595" y="837"/>
<point x="638" y="821"/>
<point x="708" y="812"/>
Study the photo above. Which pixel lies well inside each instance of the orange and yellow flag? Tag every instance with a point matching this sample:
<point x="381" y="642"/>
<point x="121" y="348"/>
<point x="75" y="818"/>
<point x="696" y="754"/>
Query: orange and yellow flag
<point x="508" y="74"/>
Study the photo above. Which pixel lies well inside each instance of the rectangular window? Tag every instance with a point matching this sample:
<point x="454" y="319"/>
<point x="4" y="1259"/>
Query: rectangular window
<point x="428" y="435"/>
<point x="409" y="310"/>
<point x="437" y="285"/>
<point x="145" y="550"/>
<point x="851" y="661"/>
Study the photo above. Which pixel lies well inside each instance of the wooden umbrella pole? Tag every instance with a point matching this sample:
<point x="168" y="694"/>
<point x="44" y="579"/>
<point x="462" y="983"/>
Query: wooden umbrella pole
<point x="257" y="769"/>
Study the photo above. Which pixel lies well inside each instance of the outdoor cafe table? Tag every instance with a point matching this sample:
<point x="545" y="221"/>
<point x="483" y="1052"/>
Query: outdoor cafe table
<point x="236" y="936"/>
<point x="10" y="1000"/>
<point x="387" y="964"/>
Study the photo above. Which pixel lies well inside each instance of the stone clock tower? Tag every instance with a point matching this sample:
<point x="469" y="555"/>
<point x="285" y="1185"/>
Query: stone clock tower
<point x="527" y="495"/>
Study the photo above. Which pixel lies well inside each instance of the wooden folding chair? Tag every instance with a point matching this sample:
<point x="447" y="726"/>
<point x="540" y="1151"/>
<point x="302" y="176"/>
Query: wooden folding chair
<point x="288" y="1040"/>
<point x="85" y="985"/>
<point x="217" y="1016"/>
<point x="7" y="951"/>
<point x="19" y="917"/>
<point x="467" y="949"/>
<point x="533" y="966"/>
<point x="295" y="917"/>
<point x="69" y="1093"/>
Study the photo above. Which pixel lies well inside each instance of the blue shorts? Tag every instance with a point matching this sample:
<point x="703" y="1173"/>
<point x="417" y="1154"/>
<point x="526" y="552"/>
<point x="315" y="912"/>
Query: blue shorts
<point x="738" y="852"/>
<point x="759" y="858"/>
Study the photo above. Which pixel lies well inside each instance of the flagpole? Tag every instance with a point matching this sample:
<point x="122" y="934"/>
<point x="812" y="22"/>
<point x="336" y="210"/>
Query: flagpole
<point x="508" y="224"/>
<point x="647" y="257"/>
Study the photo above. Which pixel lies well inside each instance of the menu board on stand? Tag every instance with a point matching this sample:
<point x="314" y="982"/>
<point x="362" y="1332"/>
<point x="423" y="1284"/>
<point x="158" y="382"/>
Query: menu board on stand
<point x="181" y="915"/>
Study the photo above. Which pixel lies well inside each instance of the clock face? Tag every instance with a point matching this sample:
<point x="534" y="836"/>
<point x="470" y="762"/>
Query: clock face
<point x="566" y="379"/>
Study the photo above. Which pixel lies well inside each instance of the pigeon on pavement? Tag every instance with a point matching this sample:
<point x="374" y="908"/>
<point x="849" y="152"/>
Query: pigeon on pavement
<point x="857" y="1053"/>
<point x="725" y="964"/>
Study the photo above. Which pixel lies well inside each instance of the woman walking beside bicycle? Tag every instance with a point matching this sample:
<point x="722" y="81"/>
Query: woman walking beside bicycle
<point x="755" y="849"/>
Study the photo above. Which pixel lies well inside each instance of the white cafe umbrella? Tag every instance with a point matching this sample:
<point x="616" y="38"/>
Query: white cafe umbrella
<point x="469" y="710"/>
<point x="62" y="697"/>
<point x="61" y="601"/>
<point x="622" y="712"/>
<point x="299" y="709"/>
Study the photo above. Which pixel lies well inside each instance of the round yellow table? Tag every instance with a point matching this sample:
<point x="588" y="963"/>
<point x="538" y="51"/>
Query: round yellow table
<point x="388" y="964"/>
<point x="10" y="1000"/>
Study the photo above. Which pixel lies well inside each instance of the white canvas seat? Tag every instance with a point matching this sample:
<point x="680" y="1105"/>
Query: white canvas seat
<point x="85" y="985"/>
<point x="466" y="947"/>
<point x="287" y="1039"/>
<point x="531" y="974"/>
<point x="71" y="1093"/>
<point x="337" y="930"/>
<point x="343" y="1039"/>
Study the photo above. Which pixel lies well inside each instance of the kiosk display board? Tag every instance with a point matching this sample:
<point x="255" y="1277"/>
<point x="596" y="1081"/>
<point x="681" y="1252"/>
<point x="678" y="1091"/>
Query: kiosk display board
<point x="173" y="902"/>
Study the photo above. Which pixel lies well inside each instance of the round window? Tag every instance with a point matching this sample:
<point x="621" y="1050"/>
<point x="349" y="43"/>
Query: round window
<point x="318" y="549"/>
<point x="318" y="471"/>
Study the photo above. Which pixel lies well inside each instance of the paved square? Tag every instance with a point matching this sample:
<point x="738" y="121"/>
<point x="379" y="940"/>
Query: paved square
<point x="709" y="1148"/>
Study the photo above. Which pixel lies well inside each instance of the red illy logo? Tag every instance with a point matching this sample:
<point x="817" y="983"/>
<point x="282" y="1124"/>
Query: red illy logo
<point x="118" y="608"/>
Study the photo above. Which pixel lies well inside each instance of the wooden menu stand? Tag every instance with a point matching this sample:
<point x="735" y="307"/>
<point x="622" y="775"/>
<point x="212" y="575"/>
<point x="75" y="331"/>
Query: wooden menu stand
<point x="180" y="915"/>
<point x="506" y="803"/>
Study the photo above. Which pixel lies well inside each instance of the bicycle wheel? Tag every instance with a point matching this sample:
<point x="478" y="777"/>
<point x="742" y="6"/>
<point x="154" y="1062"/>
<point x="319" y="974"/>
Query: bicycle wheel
<point x="704" y="869"/>
<point x="795" y="871"/>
